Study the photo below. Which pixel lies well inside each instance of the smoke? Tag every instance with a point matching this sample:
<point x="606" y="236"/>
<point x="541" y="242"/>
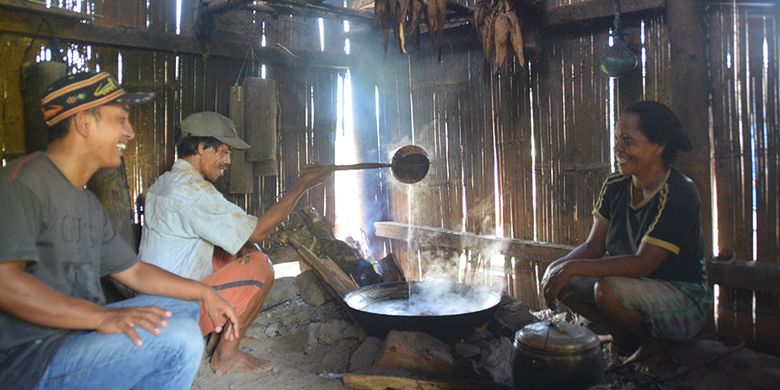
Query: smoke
<point x="472" y="263"/>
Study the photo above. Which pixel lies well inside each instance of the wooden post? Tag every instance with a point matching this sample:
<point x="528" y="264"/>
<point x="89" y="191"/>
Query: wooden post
<point x="689" y="98"/>
<point x="111" y="188"/>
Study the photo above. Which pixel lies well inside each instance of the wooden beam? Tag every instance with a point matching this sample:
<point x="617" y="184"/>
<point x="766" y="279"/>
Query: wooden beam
<point x="598" y="10"/>
<point x="426" y="236"/>
<point x="310" y="10"/>
<point x="221" y="43"/>
<point x="216" y="7"/>
<point x="28" y="6"/>
<point x="26" y="23"/>
<point x="750" y="275"/>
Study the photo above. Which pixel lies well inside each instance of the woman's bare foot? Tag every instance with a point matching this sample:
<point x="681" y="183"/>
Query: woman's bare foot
<point x="648" y="355"/>
<point x="625" y="346"/>
<point x="240" y="362"/>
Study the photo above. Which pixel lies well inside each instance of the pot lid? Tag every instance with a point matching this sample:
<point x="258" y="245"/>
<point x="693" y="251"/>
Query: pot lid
<point x="561" y="337"/>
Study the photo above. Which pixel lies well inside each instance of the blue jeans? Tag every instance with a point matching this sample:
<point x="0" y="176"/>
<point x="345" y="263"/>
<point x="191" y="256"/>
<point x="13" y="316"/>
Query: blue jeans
<point x="112" y="361"/>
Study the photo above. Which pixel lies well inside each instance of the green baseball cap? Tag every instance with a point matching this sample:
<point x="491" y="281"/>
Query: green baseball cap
<point x="212" y="124"/>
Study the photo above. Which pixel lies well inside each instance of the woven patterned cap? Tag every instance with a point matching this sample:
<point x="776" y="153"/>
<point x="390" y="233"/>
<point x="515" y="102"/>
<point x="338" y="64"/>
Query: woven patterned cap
<point x="81" y="91"/>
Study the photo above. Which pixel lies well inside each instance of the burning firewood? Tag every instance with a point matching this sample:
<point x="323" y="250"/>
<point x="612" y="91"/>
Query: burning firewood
<point x="500" y="32"/>
<point x="309" y="230"/>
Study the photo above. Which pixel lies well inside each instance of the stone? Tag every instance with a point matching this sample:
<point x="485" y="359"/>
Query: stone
<point x="285" y="254"/>
<point x="273" y="330"/>
<point x="354" y="332"/>
<point x="336" y="358"/>
<point x="332" y="331"/>
<point x="466" y="351"/>
<point x="478" y="334"/>
<point x="417" y="352"/>
<point x="282" y="290"/>
<point x="365" y="354"/>
<point x="311" y="332"/>
<point x="496" y="357"/>
<point x="512" y="315"/>
<point x="311" y="288"/>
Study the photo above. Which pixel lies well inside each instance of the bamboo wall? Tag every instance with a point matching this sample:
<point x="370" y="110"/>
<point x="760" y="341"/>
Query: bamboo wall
<point x="745" y="132"/>
<point x="187" y="83"/>
<point x="481" y="134"/>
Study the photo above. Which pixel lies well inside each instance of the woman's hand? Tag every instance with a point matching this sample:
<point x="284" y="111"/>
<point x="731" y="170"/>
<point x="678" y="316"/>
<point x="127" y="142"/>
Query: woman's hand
<point x="557" y="276"/>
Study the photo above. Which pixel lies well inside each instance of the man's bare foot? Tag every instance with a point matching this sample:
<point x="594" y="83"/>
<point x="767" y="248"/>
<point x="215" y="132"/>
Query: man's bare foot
<point x="246" y="339"/>
<point x="240" y="362"/>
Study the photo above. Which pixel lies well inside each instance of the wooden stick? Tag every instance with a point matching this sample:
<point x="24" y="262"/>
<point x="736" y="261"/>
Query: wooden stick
<point x="345" y="167"/>
<point x="371" y="382"/>
<point x="328" y="270"/>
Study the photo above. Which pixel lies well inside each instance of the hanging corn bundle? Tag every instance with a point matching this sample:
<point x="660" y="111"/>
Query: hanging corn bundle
<point x="499" y="31"/>
<point x="404" y="16"/>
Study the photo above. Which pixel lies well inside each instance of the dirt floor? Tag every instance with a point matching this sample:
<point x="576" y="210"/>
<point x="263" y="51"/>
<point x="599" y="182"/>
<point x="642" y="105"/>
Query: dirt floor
<point x="288" y="334"/>
<point x="314" y="346"/>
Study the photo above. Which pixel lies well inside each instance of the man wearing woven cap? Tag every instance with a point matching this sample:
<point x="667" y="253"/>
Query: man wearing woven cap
<point x="193" y="231"/>
<point x="57" y="241"/>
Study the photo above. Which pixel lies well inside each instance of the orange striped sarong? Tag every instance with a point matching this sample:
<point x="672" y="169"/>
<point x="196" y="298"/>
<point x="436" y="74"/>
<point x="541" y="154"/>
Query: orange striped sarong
<point x="237" y="280"/>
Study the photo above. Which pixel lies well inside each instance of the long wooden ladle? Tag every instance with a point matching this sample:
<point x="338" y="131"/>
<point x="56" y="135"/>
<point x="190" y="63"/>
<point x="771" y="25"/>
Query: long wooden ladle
<point x="409" y="165"/>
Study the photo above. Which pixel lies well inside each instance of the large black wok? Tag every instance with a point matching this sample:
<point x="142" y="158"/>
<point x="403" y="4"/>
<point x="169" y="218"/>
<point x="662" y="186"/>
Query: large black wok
<point x="458" y="322"/>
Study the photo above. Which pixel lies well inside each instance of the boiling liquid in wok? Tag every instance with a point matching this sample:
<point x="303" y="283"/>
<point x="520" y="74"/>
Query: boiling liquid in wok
<point x="433" y="305"/>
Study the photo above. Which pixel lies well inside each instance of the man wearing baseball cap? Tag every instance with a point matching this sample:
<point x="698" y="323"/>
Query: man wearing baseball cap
<point x="193" y="231"/>
<point x="56" y="241"/>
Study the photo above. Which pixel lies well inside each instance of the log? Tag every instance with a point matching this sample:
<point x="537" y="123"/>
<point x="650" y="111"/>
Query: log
<point x="328" y="270"/>
<point x="417" y="352"/>
<point x="749" y="275"/>
<point x="437" y="237"/>
<point x="374" y="382"/>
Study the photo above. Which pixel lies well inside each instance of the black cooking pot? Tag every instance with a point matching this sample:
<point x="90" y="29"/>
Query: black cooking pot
<point x="549" y="355"/>
<point x="454" y="323"/>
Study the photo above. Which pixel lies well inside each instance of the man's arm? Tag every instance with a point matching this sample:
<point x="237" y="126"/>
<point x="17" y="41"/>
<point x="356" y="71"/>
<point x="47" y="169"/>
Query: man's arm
<point x="150" y="279"/>
<point x="281" y="210"/>
<point x="27" y="298"/>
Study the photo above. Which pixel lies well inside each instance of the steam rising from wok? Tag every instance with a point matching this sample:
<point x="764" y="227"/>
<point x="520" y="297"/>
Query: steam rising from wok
<point x="431" y="298"/>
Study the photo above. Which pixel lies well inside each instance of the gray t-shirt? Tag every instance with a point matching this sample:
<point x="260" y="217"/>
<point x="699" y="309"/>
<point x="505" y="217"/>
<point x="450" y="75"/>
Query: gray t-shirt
<point x="69" y="243"/>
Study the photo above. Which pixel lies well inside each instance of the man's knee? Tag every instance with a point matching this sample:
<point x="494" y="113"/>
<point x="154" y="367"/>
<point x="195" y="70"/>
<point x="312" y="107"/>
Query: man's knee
<point x="265" y="269"/>
<point x="183" y="336"/>
<point x="191" y="309"/>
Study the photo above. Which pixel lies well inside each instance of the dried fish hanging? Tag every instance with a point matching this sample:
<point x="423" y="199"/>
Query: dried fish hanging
<point x="404" y="16"/>
<point x="499" y="31"/>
